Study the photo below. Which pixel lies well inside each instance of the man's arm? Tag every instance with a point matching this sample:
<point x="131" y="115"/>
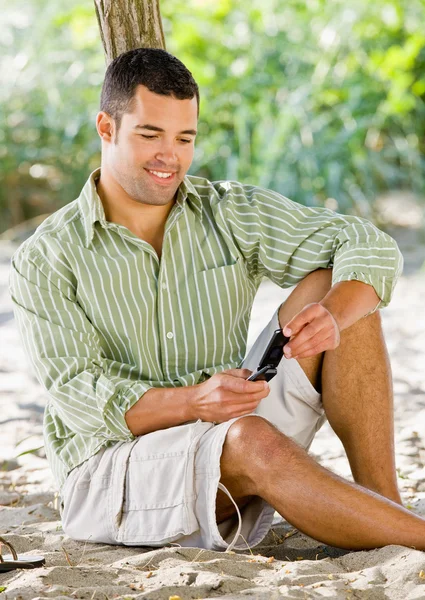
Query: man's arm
<point x="87" y="391"/>
<point x="349" y="301"/>
<point x="222" y="397"/>
<point x="286" y="241"/>
<point x="89" y="399"/>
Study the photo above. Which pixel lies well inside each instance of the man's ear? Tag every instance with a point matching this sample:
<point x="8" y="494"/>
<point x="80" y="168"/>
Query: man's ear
<point x="105" y="126"/>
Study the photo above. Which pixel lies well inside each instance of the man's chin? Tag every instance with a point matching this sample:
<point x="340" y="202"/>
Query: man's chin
<point x="154" y="198"/>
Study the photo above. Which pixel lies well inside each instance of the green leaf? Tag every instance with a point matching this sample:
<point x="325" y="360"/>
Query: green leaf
<point x="32" y="451"/>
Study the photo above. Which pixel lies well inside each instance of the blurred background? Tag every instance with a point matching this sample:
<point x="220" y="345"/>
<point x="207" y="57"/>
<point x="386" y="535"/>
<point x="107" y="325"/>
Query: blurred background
<point x="321" y="101"/>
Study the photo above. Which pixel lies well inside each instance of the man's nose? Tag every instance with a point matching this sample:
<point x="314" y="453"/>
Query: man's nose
<point x="167" y="153"/>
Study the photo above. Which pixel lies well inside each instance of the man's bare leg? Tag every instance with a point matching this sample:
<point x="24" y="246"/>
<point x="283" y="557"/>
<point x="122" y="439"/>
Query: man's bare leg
<point x="355" y="382"/>
<point x="259" y="460"/>
<point x="369" y="446"/>
<point x="356" y="385"/>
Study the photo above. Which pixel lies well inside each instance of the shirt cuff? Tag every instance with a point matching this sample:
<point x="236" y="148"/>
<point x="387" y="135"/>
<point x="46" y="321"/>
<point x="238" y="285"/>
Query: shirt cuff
<point x="114" y="406"/>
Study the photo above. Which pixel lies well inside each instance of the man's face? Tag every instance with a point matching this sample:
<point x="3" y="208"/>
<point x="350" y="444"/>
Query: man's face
<point x="154" y="147"/>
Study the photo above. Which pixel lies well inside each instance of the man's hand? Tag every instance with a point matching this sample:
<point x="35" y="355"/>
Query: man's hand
<point x="318" y="326"/>
<point x="227" y="395"/>
<point x="313" y="330"/>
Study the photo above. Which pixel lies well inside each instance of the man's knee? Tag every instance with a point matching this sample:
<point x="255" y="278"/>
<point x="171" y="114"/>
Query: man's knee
<point x="366" y="333"/>
<point x="236" y="458"/>
<point x="371" y="323"/>
<point x="248" y="447"/>
<point x="244" y="431"/>
<point x="255" y="453"/>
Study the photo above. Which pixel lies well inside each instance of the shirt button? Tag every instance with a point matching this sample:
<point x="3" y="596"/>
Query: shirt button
<point x="164" y="286"/>
<point x="170" y="335"/>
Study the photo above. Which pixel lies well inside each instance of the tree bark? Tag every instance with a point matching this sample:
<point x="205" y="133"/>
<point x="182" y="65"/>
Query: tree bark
<point x="128" y="24"/>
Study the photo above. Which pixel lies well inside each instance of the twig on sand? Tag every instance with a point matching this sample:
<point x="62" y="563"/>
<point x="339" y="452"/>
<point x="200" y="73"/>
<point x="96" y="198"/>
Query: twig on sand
<point x="248" y="546"/>
<point x="281" y="539"/>
<point x="148" y="563"/>
<point x="68" y="559"/>
<point x="199" y="554"/>
<point x="98" y="591"/>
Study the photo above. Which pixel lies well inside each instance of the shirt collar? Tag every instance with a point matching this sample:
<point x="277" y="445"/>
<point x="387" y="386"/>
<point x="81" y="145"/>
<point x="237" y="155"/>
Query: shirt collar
<point x="187" y="191"/>
<point x="91" y="207"/>
<point x="92" y="211"/>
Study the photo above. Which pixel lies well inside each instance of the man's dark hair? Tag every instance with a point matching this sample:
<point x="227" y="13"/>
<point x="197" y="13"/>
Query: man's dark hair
<point x="159" y="71"/>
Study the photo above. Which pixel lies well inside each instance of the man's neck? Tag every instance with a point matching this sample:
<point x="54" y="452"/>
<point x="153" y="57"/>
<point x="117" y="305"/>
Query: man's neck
<point x="144" y="220"/>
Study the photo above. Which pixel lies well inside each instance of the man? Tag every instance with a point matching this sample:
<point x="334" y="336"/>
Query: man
<point x="133" y="303"/>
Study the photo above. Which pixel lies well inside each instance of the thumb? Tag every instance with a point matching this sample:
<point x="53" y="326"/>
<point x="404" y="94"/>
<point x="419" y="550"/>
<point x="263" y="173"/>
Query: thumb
<point x="242" y="373"/>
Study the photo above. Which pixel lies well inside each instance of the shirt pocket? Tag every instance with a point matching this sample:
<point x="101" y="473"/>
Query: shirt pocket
<point x="159" y="498"/>
<point x="220" y="276"/>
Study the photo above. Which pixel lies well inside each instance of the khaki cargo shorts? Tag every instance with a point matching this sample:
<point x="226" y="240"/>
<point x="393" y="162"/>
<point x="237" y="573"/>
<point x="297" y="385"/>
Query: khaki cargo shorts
<point x="161" y="488"/>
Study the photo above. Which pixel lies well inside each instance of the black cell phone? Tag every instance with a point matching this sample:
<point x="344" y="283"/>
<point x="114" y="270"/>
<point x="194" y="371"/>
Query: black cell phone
<point x="272" y="356"/>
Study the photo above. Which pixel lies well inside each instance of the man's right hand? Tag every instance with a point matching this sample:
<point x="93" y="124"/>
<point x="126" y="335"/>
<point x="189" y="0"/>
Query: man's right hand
<point x="227" y="395"/>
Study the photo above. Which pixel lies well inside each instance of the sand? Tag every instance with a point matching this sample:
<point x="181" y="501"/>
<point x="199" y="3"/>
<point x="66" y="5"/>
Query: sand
<point x="287" y="564"/>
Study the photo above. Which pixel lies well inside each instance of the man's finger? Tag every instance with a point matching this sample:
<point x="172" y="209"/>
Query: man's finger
<point x="240" y="400"/>
<point x="328" y="343"/>
<point x="313" y="343"/>
<point x="240" y="385"/>
<point x="317" y="328"/>
<point x="305" y="316"/>
<point x="242" y="373"/>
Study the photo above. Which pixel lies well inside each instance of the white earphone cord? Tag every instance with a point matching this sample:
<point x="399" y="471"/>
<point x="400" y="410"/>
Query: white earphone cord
<point x="238" y="532"/>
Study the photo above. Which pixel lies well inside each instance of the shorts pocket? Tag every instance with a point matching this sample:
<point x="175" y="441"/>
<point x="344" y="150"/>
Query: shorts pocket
<point x="159" y="498"/>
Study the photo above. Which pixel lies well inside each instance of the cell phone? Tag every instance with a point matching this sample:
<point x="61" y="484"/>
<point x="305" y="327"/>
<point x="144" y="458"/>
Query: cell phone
<point x="272" y="356"/>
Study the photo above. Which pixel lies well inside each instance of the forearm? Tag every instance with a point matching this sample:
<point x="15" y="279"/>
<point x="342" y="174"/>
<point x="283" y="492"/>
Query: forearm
<point x="349" y="301"/>
<point x="223" y="396"/>
<point x="160" y="408"/>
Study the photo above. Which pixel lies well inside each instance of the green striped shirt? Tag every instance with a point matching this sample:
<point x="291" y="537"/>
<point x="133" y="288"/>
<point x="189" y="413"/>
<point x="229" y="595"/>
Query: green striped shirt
<point x="103" y="319"/>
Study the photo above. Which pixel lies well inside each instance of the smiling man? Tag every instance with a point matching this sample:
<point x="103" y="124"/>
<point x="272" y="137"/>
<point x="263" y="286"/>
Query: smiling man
<point x="148" y="145"/>
<point x="133" y="302"/>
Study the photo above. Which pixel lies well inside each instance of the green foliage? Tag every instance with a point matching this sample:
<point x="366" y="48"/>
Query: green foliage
<point x="315" y="99"/>
<point x="318" y="100"/>
<point x="52" y="70"/>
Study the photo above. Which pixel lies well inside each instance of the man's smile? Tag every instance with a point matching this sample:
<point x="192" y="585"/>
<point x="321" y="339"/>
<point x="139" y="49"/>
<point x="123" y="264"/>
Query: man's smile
<point x="162" y="177"/>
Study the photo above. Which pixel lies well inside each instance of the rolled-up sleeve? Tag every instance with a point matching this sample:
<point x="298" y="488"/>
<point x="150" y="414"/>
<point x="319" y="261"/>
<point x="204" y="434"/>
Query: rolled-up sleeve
<point x="85" y="389"/>
<point x="364" y="253"/>
<point x="285" y="241"/>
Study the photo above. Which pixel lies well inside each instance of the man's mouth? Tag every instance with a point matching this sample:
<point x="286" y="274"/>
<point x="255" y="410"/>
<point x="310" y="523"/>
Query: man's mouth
<point x="162" y="177"/>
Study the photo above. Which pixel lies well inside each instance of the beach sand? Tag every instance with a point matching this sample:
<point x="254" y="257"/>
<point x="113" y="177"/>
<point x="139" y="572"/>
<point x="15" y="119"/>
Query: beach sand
<point x="287" y="564"/>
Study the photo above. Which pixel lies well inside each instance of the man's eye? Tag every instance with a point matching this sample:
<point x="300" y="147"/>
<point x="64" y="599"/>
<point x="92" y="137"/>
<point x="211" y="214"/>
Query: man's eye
<point x="186" y="141"/>
<point x="148" y="137"/>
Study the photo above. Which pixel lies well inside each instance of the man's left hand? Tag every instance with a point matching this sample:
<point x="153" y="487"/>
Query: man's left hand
<point x="313" y="330"/>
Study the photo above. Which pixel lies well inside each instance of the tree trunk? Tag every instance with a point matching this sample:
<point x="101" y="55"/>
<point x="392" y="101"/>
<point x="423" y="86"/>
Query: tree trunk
<point x="128" y="24"/>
